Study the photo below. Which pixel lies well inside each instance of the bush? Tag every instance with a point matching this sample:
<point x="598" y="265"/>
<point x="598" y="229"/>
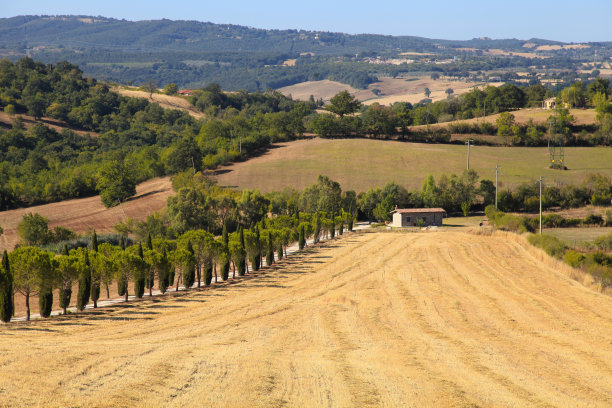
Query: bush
<point x="551" y="245"/>
<point x="45" y="301"/>
<point x="593" y="219"/>
<point x="604" y="242"/>
<point x="573" y="258"/>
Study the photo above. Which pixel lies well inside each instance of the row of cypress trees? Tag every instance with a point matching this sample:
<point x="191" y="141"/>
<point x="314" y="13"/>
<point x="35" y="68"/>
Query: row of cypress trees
<point x="166" y="260"/>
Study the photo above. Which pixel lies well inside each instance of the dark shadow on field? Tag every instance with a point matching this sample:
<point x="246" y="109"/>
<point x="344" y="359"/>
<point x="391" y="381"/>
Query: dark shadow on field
<point x="140" y="312"/>
<point x="117" y="318"/>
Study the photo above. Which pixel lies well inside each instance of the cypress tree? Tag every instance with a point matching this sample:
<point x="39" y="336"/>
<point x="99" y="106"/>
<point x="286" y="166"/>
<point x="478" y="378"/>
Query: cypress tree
<point x="94" y="241"/>
<point x="333" y="226"/>
<point x="189" y="275"/>
<point x="341" y="226"/>
<point x="84" y="284"/>
<point x="301" y="239"/>
<point x="225" y="265"/>
<point x="270" y="254"/>
<point x="121" y="285"/>
<point x="279" y="252"/>
<point x="164" y="273"/>
<point x="65" y="293"/>
<point x="122" y="242"/>
<point x="45" y="300"/>
<point x="139" y="278"/>
<point x="317" y="228"/>
<point x="242" y="262"/>
<point x="6" y="290"/>
<point x="350" y="222"/>
<point x="208" y="274"/>
<point x="257" y="259"/>
<point x="149" y="241"/>
<point x="170" y="275"/>
<point x="95" y="292"/>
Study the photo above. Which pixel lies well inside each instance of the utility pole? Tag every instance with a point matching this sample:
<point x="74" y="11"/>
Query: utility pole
<point x="497" y="167"/>
<point x="468" y="153"/>
<point x="540" y="204"/>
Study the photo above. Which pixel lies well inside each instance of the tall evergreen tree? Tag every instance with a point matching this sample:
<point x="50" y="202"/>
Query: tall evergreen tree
<point x="279" y="252"/>
<point x="6" y="290"/>
<point x="149" y="241"/>
<point x="317" y="228"/>
<point x="45" y="300"/>
<point x="301" y="238"/>
<point x="94" y="241"/>
<point x="257" y="258"/>
<point x="208" y="273"/>
<point x="84" y="283"/>
<point x="139" y="278"/>
<point x="332" y="230"/>
<point x="189" y="274"/>
<point x="270" y="252"/>
<point x="225" y="262"/>
<point x="242" y="263"/>
<point x="122" y="242"/>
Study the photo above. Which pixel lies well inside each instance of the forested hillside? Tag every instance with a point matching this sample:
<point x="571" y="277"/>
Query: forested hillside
<point x="137" y="139"/>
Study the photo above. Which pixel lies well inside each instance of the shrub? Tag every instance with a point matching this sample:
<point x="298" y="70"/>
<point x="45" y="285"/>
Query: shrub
<point x="45" y="301"/>
<point x="604" y="242"/>
<point x="553" y="221"/>
<point x="551" y="245"/>
<point x="573" y="258"/>
<point x="593" y="219"/>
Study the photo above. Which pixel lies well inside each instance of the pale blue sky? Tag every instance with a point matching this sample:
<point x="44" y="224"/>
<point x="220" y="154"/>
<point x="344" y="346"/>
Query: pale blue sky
<point x="523" y="19"/>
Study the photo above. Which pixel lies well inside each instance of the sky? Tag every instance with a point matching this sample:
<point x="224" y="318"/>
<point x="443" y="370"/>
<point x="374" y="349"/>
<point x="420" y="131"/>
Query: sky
<point x="560" y="20"/>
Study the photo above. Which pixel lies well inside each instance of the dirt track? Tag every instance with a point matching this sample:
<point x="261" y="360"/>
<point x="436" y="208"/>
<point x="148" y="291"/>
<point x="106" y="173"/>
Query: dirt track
<point x="388" y="319"/>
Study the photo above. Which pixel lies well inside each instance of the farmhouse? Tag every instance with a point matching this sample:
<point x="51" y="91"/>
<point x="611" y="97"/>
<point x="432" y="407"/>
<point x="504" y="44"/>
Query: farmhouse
<point x="408" y="217"/>
<point x="549" y="103"/>
<point x="185" y="92"/>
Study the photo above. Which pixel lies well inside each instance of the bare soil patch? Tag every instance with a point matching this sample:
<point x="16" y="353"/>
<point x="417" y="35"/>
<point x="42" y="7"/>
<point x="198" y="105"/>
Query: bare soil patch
<point x="441" y="319"/>
<point x="83" y="214"/>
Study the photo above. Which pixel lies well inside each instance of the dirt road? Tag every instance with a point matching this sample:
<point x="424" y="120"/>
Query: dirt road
<point x="441" y="319"/>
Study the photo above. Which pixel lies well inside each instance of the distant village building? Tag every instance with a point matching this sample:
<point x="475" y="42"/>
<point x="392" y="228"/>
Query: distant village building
<point x="185" y="92"/>
<point x="549" y="103"/>
<point x="411" y="217"/>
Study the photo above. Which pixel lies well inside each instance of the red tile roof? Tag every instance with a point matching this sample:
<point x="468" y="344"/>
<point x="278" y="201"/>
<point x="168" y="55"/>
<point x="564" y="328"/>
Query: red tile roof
<point x="418" y="210"/>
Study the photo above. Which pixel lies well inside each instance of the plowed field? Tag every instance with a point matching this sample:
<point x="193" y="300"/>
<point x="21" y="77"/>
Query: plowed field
<point x="442" y="319"/>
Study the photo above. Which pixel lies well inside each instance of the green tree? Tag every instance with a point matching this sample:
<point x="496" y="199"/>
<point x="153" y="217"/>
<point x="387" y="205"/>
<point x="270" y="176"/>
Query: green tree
<point x="225" y="265"/>
<point x="301" y="237"/>
<point x="68" y="270"/>
<point x="170" y="89"/>
<point x="189" y="274"/>
<point x="116" y="182"/>
<point x="6" y="289"/>
<point x="84" y="292"/>
<point x="343" y="103"/>
<point x="34" y="229"/>
<point x="31" y="269"/>
<point x="505" y="123"/>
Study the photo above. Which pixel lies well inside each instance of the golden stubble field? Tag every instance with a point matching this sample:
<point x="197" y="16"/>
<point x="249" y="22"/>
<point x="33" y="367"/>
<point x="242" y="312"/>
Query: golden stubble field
<point x="84" y="214"/>
<point x="441" y="319"/>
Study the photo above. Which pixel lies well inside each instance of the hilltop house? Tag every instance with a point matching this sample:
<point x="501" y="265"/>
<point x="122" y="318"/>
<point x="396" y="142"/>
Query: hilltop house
<point x="410" y="217"/>
<point x="185" y="92"/>
<point x="549" y="103"/>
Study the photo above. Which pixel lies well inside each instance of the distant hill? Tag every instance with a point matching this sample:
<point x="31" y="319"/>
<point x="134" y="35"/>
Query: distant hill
<point x="194" y="54"/>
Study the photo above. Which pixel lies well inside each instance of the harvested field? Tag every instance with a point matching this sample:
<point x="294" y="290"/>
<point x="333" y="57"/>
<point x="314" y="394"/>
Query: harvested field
<point x="83" y="214"/>
<point x="360" y="164"/>
<point x="573" y="236"/>
<point x="390" y="90"/>
<point x="165" y="101"/>
<point x="441" y="319"/>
